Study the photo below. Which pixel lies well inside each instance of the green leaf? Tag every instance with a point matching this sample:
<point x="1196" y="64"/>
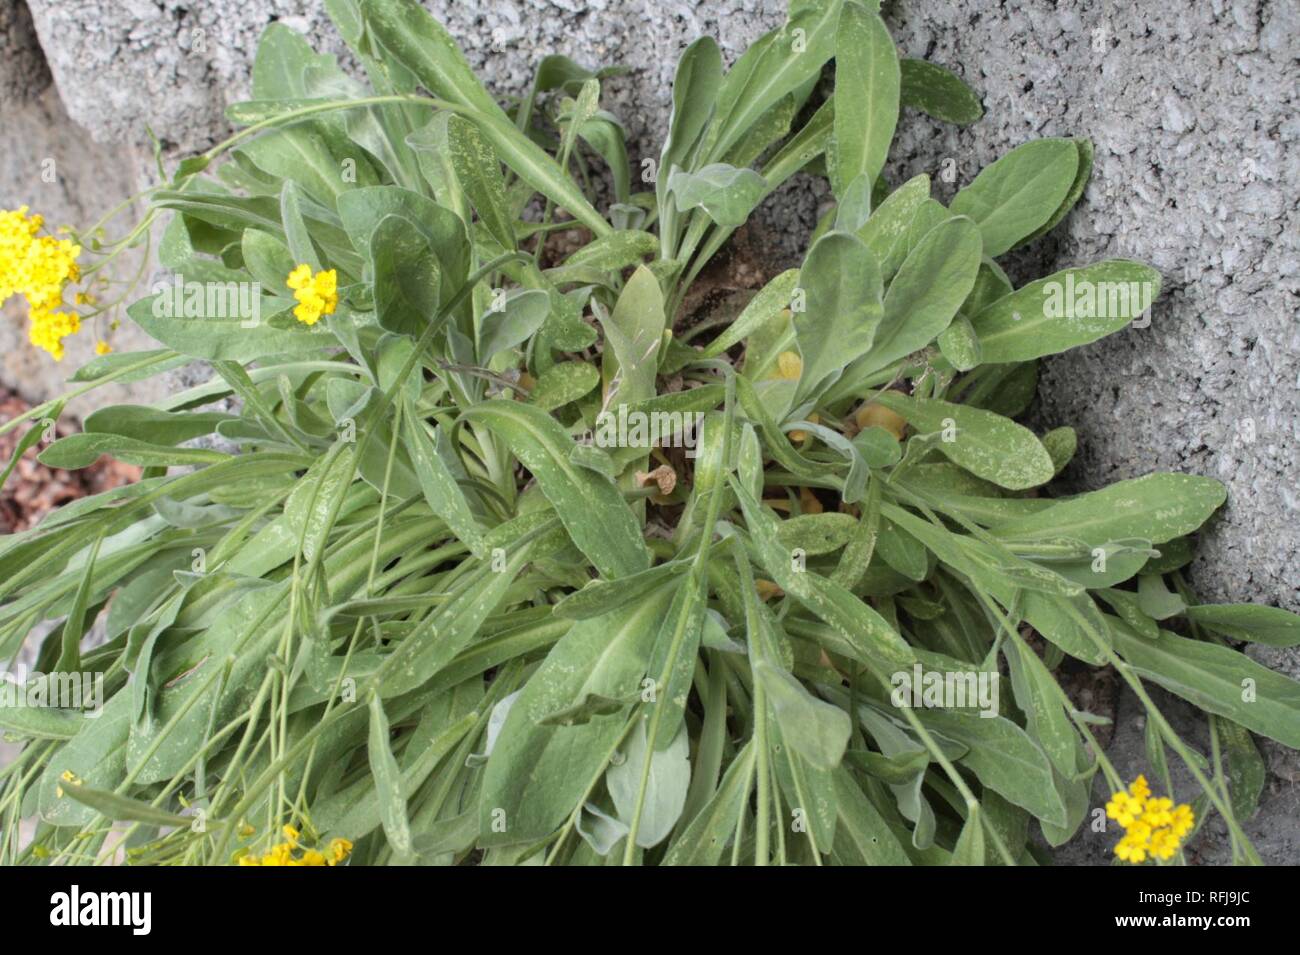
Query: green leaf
<point x="1004" y="759"/>
<point x="1258" y="624"/>
<point x="539" y="772"/>
<point x="1155" y="508"/>
<point x="407" y="275"/>
<point x="479" y="174"/>
<point x="609" y="253"/>
<point x="83" y="450"/>
<point x="695" y="87"/>
<point x="603" y="596"/>
<point x="438" y="485"/>
<point x="521" y="314"/>
<point x="844" y="307"/>
<point x="886" y="231"/>
<point x="361" y="210"/>
<point x="425" y="48"/>
<point x="633" y="334"/>
<point x="666" y="785"/>
<point x="866" y="101"/>
<point x="219" y="332"/>
<point x="591" y="508"/>
<point x="938" y="92"/>
<point x="726" y="194"/>
<point x="1216" y="679"/>
<point x="960" y="346"/>
<point x="1018" y="193"/>
<point x="565" y="382"/>
<point x="388" y="783"/>
<point x="863" y="837"/>
<point x="1081" y="176"/>
<point x="986" y="444"/>
<point x="704" y="840"/>
<point x="1039" y="696"/>
<point x="969" y="849"/>
<point x="818" y="731"/>
<point x="123" y="808"/>
<point x="929" y="288"/>
<point x="1069" y="308"/>
<point x="1246" y="771"/>
<point x="674" y="656"/>
<point x="268" y="259"/>
<point x="781" y="62"/>
<point x="771" y="300"/>
<point x="862" y="634"/>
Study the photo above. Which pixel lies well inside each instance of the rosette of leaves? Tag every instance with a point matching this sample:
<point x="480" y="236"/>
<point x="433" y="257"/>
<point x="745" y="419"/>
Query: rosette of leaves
<point x="398" y="595"/>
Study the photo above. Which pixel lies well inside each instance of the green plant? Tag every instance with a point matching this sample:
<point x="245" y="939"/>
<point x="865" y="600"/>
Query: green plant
<point x="423" y="611"/>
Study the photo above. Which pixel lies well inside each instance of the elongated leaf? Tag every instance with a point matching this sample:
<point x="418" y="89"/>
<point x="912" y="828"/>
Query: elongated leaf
<point x="866" y="102"/>
<point x="1155" y="508"/>
<point x="818" y="731"/>
<point x="438" y="485"/>
<point x="863" y="837"/>
<point x="986" y="444"/>
<point x="926" y="293"/>
<point x="388" y="781"/>
<point x="407" y="276"/>
<point x="425" y="48"/>
<point x="695" y="87"/>
<point x="705" y="839"/>
<point x="1069" y="308"/>
<point x="1216" y="679"/>
<point x="82" y="450"/>
<point x="939" y="93"/>
<point x="479" y="174"/>
<point x="1005" y="759"/>
<point x="633" y="334"/>
<point x="1015" y="195"/>
<point x="726" y="194"/>
<point x="1270" y="625"/>
<point x="538" y="772"/>
<point x="844" y="307"/>
<point x="666" y="785"/>
<point x="866" y="636"/>
<point x="590" y="507"/>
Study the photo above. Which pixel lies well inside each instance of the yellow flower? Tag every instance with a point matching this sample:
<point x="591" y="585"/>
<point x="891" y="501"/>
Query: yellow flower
<point x="317" y="294"/>
<point x="1154" y="825"/>
<point x="102" y="347"/>
<point x="1140" y="788"/>
<point x="339" y="849"/>
<point x="1131" y="849"/>
<point x="1123" y="808"/>
<point x="38" y="267"/>
<point x="290" y="853"/>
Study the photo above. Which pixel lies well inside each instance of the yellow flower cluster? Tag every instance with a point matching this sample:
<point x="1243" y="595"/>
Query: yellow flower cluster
<point x="38" y="267"/>
<point x="1154" y="827"/>
<point x="317" y="294"/>
<point x="284" y="853"/>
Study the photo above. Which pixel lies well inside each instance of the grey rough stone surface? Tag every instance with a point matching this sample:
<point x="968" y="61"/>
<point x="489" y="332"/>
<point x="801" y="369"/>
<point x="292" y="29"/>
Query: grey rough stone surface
<point x="23" y="73"/>
<point x="1192" y="110"/>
